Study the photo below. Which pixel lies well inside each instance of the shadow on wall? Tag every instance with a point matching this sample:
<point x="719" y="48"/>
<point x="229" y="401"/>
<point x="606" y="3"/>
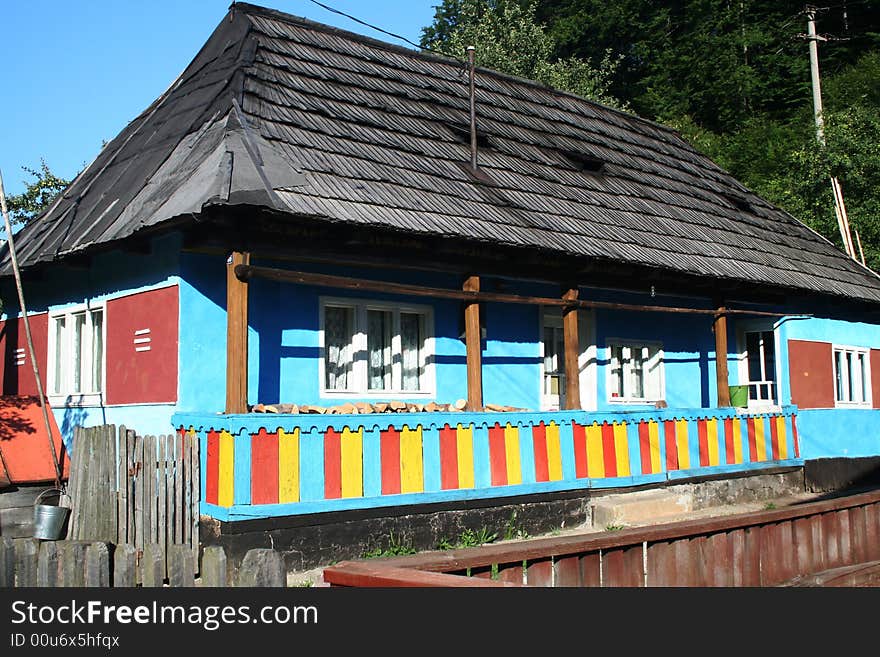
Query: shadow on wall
<point x="74" y="416"/>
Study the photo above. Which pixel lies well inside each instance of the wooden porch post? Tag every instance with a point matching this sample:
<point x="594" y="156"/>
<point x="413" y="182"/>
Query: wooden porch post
<point x="721" y="356"/>
<point x="572" y="350"/>
<point x="473" y="344"/>
<point x="236" y="335"/>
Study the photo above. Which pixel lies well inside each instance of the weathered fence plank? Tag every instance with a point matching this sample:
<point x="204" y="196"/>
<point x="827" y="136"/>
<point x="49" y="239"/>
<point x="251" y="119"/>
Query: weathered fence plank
<point x="26" y="553"/>
<point x="97" y="570"/>
<point x="71" y="557"/>
<point x="152" y="566"/>
<point x="122" y="486"/>
<point x="195" y="492"/>
<point x="180" y="566"/>
<point x="124" y="566"/>
<point x="214" y="567"/>
<point x="48" y="565"/>
<point x="161" y="501"/>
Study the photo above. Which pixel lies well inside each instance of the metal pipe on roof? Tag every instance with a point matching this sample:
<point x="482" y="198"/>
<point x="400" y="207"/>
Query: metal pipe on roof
<point x="471" y="53"/>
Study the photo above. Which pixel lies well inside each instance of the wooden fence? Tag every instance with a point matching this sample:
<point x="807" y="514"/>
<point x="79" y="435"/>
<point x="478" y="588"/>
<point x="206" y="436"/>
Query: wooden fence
<point x="27" y="562"/>
<point x="129" y="489"/>
<point x="833" y="542"/>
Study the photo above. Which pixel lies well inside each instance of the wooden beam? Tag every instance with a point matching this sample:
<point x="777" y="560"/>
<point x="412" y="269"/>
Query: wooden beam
<point x="246" y="272"/>
<point x="572" y="350"/>
<point x="236" y="335"/>
<point x="473" y="343"/>
<point x="720" y="329"/>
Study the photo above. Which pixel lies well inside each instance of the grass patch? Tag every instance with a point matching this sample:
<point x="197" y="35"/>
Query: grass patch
<point x="396" y="547"/>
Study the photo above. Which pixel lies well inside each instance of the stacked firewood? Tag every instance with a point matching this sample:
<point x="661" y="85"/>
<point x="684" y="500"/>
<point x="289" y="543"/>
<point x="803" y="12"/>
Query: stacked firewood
<point x="362" y="408"/>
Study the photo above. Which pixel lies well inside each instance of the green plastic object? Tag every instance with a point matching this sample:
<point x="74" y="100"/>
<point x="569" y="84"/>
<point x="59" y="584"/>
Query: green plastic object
<point x="739" y="396"/>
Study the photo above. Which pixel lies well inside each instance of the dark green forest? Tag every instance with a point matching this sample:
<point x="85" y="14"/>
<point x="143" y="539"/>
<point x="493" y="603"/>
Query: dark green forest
<point x="732" y="76"/>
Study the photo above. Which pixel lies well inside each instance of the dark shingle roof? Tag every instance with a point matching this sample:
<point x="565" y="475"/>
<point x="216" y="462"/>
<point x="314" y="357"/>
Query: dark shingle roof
<point x="281" y="112"/>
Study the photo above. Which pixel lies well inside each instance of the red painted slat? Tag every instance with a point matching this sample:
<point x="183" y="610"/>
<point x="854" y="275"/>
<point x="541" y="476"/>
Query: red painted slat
<point x="264" y="468"/>
<point x="613" y="568"/>
<point x="212" y="476"/>
<point x="872" y="531"/>
<point x="389" y="445"/>
<point x="332" y="464"/>
<point x="608" y="451"/>
<point x="645" y="448"/>
<point x="703" y="440"/>
<point x="661" y="565"/>
<point x="540" y="573"/>
<point x="497" y="456"/>
<point x="590" y="569"/>
<point x="729" y="453"/>
<point x="580" y="450"/>
<point x="671" y="446"/>
<point x="794" y="437"/>
<point x="803" y="546"/>
<point x="539" y="442"/>
<point x="719" y="560"/>
<point x="753" y="447"/>
<point x="774" y="439"/>
<point x="511" y="572"/>
<point x="448" y="458"/>
<point x="567" y="572"/>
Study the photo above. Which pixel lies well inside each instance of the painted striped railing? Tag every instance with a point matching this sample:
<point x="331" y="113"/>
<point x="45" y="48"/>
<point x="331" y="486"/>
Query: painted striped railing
<point x="259" y="465"/>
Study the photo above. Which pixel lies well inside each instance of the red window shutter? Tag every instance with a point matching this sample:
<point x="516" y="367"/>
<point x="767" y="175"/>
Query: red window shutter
<point x="875" y="377"/>
<point x="16" y="368"/>
<point x="811" y="374"/>
<point x="142" y="336"/>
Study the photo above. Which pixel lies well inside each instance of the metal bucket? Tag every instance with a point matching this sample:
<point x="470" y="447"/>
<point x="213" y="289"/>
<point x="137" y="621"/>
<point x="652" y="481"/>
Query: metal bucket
<point x="49" y="518"/>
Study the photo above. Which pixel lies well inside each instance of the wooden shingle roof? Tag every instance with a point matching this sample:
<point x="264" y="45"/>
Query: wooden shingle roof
<point x="280" y="112"/>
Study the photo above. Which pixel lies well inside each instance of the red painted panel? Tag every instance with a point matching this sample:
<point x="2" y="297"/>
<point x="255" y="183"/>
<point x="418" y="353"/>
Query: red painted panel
<point x="539" y="441"/>
<point x="25" y="443"/>
<point x="390" y="450"/>
<point x="753" y="446"/>
<point x="580" y="450"/>
<point x="18" y="379"/>
<point x="729" y="452"/>
<point x="608" y="451"/>
<point x="794" y="437"/>
<point x="645" y="448"/>
<point x="264" y="468"/>
<point x="149" y="375"/>
<point x="811" y="373"/>
<point x="212" y="477"/>
<point x="875" y="377"/>
<point x="497" y="456"/>
<point x="332" y="464"/>
<point x="703" y="439"/>
<point x="671" y="445"/>
<point x="448" y="458"/>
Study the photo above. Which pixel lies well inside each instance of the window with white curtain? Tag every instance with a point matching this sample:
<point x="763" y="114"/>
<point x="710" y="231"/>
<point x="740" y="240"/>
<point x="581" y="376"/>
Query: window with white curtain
<point x="635" y="371"/>
<point x="76" y="355"/>
<point x="553" y="362"/>
<point x="376" y="348"/>
<point x="852" y="376"/>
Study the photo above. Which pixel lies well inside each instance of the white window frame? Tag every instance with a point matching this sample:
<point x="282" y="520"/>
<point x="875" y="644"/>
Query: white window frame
<point x="757" y="326"/>
<point x="865" y="386"/>
<point x="609" y="378"/>
<point x="67" y="396"/>
<point x="549" y="401"/>
<point x="360" y="370"/>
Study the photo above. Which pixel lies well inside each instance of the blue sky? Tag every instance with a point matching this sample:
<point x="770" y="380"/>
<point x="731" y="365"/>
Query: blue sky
<point x="77" y="71"/>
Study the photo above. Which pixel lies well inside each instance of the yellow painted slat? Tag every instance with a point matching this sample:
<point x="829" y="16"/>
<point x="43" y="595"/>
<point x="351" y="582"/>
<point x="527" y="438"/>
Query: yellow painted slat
<point x="226" y="472"/>
<point x="681" y="442"/>
<point x="760" y="440"/>
<point x="554" y="452"/>
<point x="595" y="453"/>
<point x="654" y="442"/>
<point x="352" y="469"/>
<point x="712" y="440"/>
<point x="411" y="468"/>
<point x="511" y="454"/>
<point x="737" y="441"/>
<point x="464" y="443"/>
<point x="621" y="450"/>
<point x="781" y="436"/>
<point x="288" y="466"/>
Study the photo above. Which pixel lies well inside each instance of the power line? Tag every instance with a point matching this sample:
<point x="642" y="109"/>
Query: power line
<point x="391" y="34"/>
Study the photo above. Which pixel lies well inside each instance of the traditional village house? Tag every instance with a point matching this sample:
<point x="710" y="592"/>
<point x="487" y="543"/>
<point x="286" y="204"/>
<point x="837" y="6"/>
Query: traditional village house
<point x="557" y="296"/>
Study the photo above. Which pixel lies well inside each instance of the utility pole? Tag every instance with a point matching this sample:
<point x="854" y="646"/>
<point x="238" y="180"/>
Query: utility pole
<point x="839" y="205"/>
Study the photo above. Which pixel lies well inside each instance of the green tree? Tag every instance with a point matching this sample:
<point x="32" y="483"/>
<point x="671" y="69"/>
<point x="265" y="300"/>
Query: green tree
<point x="507" y="38"/>
<point x="38" y="195"/>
